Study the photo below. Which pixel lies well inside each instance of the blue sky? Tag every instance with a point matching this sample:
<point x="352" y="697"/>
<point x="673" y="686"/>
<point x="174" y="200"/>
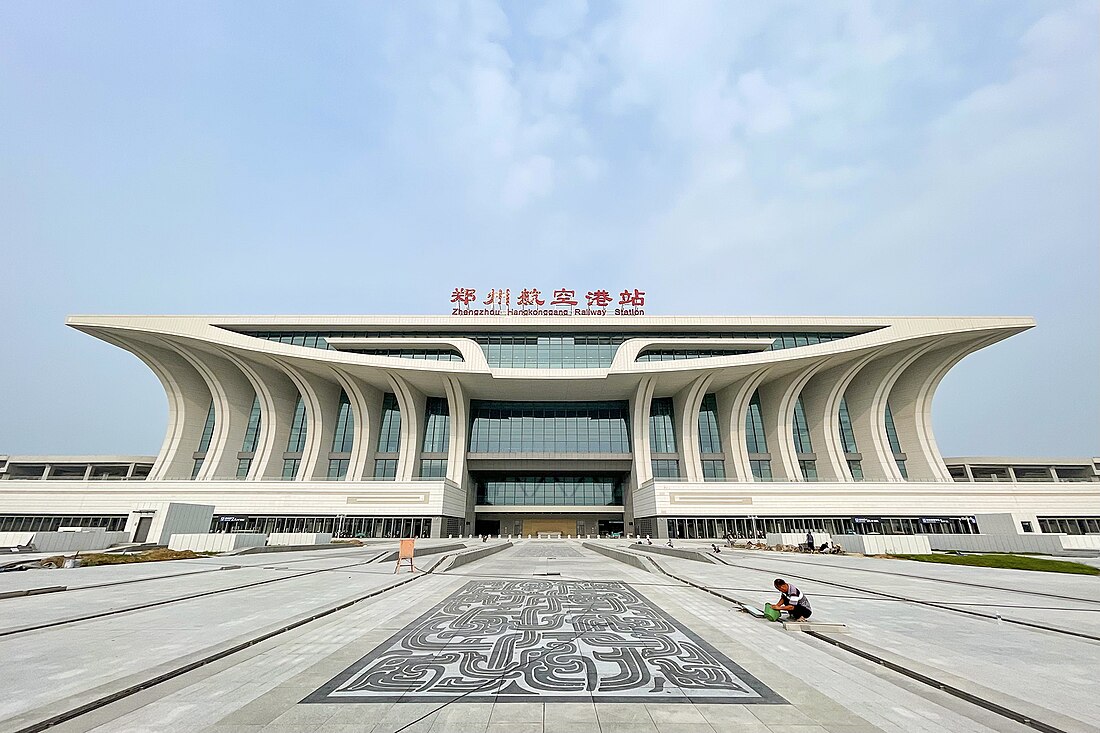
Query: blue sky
<point x="906" y="158"/>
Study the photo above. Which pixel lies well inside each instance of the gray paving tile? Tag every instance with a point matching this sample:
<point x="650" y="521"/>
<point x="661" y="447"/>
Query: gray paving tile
<point x="724" y="715"/>
<point x="517" y="712"/>
<point x="560" y="714"/>
<point x="361" y="713"/>
<point x="473" y="717"/>
<point x="314" y="715"/>
<point x="669" y="715"/>
<point x="515" y="728"/>
<point x="637" y="726"/>
<point x="404" y="714"/>
<point x="684" y="728"/>
<point x="784" y="714"/>
<point x="615" y="712"/>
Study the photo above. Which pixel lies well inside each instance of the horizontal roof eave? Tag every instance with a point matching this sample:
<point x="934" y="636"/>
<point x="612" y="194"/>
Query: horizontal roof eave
<point x="80" y="459"/>
<point x="585" y="323"/>
<point x="1019" y="461"/>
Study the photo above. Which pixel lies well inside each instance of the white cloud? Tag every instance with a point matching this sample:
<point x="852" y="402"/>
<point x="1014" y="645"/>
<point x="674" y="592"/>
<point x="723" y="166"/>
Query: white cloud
<point x="557" y="18"/>
<point x="528" y="179"/>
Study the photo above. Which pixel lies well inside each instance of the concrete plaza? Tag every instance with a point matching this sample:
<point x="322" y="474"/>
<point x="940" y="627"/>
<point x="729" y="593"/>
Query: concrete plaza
<point x="545" y="635"/>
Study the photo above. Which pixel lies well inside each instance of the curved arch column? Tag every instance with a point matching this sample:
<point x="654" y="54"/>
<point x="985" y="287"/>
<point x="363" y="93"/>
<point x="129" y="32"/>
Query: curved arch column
<point x="366" y="407"/>
<point x="733" y="405"/>
<point x="459" y="420"/>
<point x="321" y="398"/>
<point x="411" y="402"/>
<point x="866" y="397"/>
<point x="821" y="400"/>
<point x="777" y="399"/>
<point x="278" y="396"/>
<point x="233" y="395"/>
<point x="639" y="419"/>
<point x="911" y="407"/>
<point x="685" y="407"/>
<point x="188" y="402"/>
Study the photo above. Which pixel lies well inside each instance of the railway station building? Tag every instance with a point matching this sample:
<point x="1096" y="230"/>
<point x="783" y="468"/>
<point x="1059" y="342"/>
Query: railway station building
<point x="535" y="421"/>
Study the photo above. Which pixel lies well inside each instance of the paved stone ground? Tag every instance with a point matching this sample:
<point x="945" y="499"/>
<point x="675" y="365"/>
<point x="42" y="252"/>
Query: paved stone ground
<point x="262" y="688"/>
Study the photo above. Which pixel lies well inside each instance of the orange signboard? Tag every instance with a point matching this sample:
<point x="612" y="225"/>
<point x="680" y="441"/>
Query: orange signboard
<point x="405" y="553"/>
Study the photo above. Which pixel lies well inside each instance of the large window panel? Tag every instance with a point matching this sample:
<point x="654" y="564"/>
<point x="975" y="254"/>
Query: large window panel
<point x="662" y="434"/>
<point x="550" y="491"/>
<point x="549" y="427"/>
<point x="344" y="436"/>
<point x="389" y="437"/>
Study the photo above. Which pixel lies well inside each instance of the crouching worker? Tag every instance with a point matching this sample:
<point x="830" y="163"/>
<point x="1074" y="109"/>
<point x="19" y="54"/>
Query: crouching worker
<point x="793" y="601"/>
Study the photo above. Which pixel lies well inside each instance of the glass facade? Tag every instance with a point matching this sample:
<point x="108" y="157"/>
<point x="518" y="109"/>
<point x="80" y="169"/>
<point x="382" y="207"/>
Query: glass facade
<point x="53" y="522"/>
<point x="710" y="440"/>
<point x="389" y="437"/>
<point x="709" y="437"/>
<point x="761" y="469"/>
<point x="437" y="423"/>
<point x="521" y="350"/>
<point x="204" y="440"/>
<point x="339" y="526"/>
<point x="437" y="426"/>
<point x="433" y="467"/>
<point x="714" y="469"/>
<point x="251" y="438"/>
<point x="296" y="441"/>
<point x="847" y="435"/>
<point x="549" y="427"/>
<point x="802" y="444"/>
<point x="544" y="351"/>
<point x="252" y="432"/>
<point x="665" y="467"/>
<point x="848" y="440"/>
<point x="344" y="436"/>
<point x="662" y="436"/>
<point x="895" y="445"/>
<point x="677" y="354"/>
<point x="426" y="354"/>
<point x="550" y="491"/>
<point x="1070" y="525"/>
<point x="801" y="429"/>
<point x="757" y="527"/>
<point x="338" y="468"/>
<point x="755" y="440"/>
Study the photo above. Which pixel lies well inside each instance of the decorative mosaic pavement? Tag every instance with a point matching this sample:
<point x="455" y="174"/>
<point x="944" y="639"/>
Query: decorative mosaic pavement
<point x="545" y="641"/>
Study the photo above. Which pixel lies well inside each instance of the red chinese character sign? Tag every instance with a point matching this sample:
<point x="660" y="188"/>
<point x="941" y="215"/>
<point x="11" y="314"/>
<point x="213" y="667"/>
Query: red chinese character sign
<point x="498" y="301"/>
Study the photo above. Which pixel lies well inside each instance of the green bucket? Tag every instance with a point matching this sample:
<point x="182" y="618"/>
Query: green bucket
<point x="770" y="613"/>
